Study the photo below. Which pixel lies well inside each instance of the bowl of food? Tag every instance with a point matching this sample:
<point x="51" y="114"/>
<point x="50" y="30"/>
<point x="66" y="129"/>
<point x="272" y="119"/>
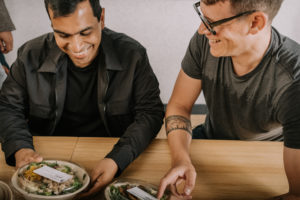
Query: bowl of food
<point x="130" y="189"/>
<point x="50" y="180"/>
<point x="5" y="191"/>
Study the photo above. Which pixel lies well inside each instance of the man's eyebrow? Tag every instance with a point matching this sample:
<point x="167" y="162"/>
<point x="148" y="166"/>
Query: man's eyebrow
<point x="209" y="19"/>
<point x="69" y="34"/>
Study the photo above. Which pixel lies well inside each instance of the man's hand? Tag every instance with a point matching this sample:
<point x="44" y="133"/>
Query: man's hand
<point x="178" y="174"/>
<point x="6" y="41"/>
<point x="102" y="175"/>
<point x="25" y="156"/>
<point x="5" y="69"/>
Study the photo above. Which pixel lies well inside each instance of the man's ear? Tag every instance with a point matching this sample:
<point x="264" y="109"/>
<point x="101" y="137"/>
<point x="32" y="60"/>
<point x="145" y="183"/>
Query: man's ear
<point x="102" y="18"/>
<point x="258" y="21"/>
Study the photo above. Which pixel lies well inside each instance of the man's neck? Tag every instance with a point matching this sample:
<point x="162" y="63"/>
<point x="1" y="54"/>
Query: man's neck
<point x="249" y="60"/>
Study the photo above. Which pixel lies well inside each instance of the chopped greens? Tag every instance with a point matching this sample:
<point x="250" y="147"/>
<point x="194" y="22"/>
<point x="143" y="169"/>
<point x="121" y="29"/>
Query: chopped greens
<point x="36" y="184"/>
<point x="120" y="192"/>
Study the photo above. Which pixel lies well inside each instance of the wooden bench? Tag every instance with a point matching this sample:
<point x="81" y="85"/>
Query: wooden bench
<point x="195" y="120"/>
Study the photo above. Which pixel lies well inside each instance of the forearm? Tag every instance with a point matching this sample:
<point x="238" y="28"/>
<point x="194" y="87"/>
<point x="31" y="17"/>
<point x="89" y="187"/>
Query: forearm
<point x="136" y="138"/>
<point x="14" y="131"/>
<point x="14" y="134"/>
<point x="179" y="132"/>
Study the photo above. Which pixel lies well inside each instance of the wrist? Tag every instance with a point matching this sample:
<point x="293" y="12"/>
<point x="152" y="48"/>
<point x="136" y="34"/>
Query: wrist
<point x="21" y="152"/>
<point x="181" y="160"/>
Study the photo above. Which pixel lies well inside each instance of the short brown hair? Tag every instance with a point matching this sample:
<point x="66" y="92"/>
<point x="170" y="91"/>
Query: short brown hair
<point x="270" y="7"/>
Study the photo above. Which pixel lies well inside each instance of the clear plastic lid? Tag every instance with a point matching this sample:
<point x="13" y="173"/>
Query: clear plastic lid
<point x="118" y="189"/>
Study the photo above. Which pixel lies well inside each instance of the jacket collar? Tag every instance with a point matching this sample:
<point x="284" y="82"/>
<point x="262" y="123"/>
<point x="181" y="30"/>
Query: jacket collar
<point x="52" y="60"/>
<point x="53" y="56"/>
<point x="111" y="58"/>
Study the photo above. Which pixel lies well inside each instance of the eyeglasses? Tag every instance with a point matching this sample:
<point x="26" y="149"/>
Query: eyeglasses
<point x="210" y="25"/>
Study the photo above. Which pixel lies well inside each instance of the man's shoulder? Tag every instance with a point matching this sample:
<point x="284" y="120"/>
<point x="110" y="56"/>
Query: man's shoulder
<point x="38" y="44"/>
<point x="288" y="56"/>
<point x="35" y="50"/>
<point x="122" y="41"/>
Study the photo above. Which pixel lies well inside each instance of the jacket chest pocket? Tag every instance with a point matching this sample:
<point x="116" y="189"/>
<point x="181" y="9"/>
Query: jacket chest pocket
<point x="118" y="108"/>
<point x="40" y="120"/>
<point x="119" y="117"/>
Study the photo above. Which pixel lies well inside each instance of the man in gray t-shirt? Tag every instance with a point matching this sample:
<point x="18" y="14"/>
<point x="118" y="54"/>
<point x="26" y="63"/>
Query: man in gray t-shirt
<point x="254" y="105"/>
<point x="250" y="77"/>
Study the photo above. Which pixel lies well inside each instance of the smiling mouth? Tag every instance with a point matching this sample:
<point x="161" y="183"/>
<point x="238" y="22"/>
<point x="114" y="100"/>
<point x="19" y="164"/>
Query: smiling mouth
<point x="82" y="54"/>
<point x="214" y="41"/>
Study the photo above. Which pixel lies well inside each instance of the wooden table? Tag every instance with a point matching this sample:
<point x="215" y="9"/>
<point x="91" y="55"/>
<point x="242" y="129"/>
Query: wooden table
<point x="226" y="169"/>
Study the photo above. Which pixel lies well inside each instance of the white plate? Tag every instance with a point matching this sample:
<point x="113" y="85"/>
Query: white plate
<point x="5" y="192"/>
<point x="80" y="172"/>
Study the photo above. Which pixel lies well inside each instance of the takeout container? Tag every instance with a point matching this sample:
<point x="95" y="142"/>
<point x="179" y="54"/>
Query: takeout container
<point x="131" y="182"/>
<point x="5" y="192"/>
<point x="80" y="173"/>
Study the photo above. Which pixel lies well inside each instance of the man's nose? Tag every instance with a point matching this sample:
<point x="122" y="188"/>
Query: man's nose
<point x="203" y="30"/>
<point x="76" y="43"/>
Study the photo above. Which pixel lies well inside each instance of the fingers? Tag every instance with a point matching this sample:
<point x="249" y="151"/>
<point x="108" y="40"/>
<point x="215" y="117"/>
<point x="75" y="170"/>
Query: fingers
<point x="1" y="46"/>
<point x="97" y="186"/>
<point x="102" y="175"/>
<point x="6" y="70"/>
<point x="189" y="181"/>
<point x="177" y="190"/>
<point x="181" y="179"/>
<point x="6" y="42"/>
<point x="26" y="156"/>
<point x="169" y="179"/>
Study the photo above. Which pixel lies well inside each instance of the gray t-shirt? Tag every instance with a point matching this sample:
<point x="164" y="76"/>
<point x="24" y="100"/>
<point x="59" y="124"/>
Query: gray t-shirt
<point x="260" y="105"/>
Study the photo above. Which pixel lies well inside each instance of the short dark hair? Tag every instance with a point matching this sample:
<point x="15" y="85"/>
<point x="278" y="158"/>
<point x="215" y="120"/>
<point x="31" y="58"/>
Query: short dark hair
<point x="66" y="7"/>
<point x="270" y="7"/>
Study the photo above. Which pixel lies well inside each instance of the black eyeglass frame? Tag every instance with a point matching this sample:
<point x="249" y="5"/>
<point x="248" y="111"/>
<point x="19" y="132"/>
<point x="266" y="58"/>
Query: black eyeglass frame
<point x="210" y="25"/>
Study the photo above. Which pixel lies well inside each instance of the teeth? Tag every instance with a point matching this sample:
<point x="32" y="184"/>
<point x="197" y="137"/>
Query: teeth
<point x="81" y="53"/>
<point x="214" y="41"/>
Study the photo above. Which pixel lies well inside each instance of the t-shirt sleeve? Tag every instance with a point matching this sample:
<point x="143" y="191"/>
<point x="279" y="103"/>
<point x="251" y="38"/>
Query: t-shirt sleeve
<point x="191" y="63"/>
<point x="289" y="115"/>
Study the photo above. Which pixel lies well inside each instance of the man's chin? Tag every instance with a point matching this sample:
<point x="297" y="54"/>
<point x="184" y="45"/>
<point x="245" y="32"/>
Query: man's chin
<point x="218" y="53"/>
<point x="214" y="54"/>
<point x="80" y="64"/>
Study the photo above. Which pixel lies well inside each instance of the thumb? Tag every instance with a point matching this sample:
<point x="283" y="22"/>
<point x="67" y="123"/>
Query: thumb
<point x="38" y="158"/>
<point x="190" y="182"/>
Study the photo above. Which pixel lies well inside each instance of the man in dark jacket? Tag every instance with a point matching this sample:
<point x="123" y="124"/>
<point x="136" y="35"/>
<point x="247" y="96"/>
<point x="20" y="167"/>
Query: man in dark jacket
<point x="6" y="26"/>
<point x="6" y="40"/>
<point x="81" y="80"/>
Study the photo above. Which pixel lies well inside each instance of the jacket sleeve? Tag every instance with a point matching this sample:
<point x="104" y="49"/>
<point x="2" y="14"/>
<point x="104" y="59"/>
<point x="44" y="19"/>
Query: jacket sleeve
<point x="288" y="114"/>
<point x="14" y="133"/>
<point x="6" y="22"/>
<point x="148" y="116"/>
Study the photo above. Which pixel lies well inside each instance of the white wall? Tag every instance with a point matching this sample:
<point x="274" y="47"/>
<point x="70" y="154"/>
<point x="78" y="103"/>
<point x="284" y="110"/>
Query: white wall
<point x="164" y="27"/>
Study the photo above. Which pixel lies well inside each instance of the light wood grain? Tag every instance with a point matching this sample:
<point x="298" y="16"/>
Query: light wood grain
<point x="59" y="148"/>
<point x="226" y="169"/>
<point x="233" y="170"/>
<point x="238" y="169"/>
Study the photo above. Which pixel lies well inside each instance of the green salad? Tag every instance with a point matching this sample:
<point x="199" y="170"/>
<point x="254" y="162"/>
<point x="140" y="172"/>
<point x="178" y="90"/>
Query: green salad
<point x="120" y="192"/>
<point x="36" y="184"/>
